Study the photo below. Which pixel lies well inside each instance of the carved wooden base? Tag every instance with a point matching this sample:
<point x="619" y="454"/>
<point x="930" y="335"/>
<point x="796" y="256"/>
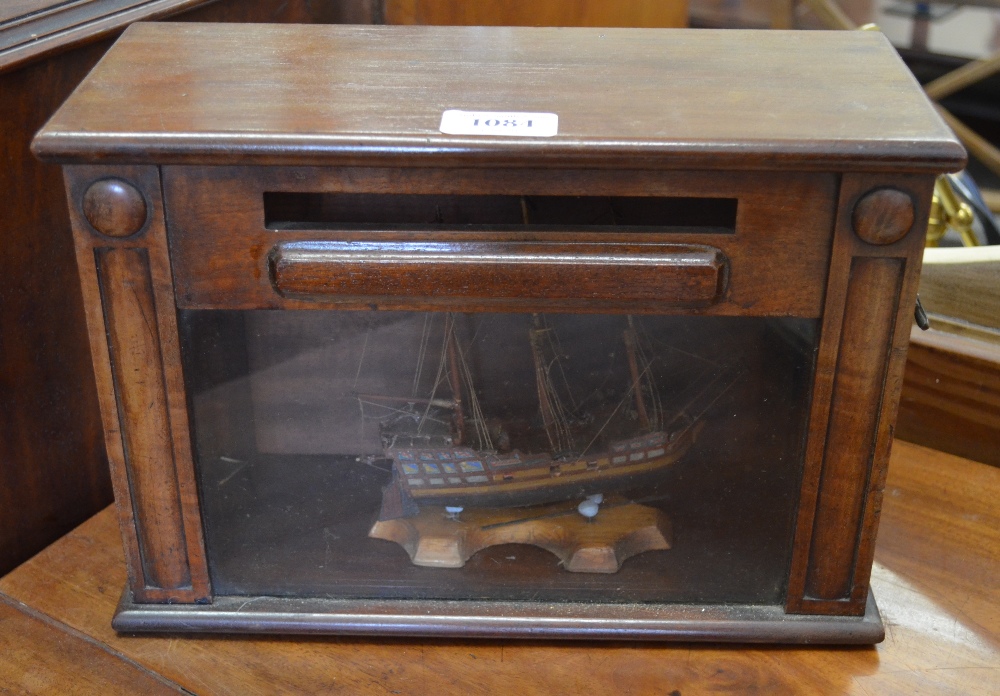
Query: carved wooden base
<point x="620" y="530"/>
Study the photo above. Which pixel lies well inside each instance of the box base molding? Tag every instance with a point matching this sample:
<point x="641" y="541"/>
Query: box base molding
<point x="477" y="619"/>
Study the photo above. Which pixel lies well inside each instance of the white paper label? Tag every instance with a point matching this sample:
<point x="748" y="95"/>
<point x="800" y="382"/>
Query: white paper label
<point x="510" y="123"/>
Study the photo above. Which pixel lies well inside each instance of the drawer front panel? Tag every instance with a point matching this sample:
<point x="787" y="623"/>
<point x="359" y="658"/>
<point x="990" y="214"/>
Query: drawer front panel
<point x="674" y="274"/>
<point x="754" y="244"/>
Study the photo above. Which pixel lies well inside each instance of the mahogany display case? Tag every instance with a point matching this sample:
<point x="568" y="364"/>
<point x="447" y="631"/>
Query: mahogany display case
<point x="634" y="377"/>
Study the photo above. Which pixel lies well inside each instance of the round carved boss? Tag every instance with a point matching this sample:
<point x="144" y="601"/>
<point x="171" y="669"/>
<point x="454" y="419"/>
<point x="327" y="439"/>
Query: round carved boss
<point x="883" y="216"/>
<point x="114" y="207"/>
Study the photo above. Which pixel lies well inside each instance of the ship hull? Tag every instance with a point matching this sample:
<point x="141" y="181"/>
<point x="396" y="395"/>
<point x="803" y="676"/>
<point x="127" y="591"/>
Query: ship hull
<point x="551" y="492"/>
<point x="463" y="478"/>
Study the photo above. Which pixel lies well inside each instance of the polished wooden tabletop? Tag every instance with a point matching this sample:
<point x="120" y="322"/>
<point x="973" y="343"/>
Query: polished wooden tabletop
<point x="936" y="579"/>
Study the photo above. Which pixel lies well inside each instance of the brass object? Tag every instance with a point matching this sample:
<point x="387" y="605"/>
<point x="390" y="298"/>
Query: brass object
<point x="949" y="212"/>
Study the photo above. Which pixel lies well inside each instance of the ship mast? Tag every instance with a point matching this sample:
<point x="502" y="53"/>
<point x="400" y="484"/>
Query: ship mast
<point x="633" y="367"/>
<point x="642" y="376"/>
<point x="554" y="418"/>
<point x="455" y="381"/>
<point x="453" y="368"/>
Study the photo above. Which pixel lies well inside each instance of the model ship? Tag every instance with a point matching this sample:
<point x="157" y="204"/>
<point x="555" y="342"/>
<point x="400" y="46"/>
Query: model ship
<point x="447" y="469"/>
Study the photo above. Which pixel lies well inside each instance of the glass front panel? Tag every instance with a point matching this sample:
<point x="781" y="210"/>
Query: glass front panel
<point x="498" y="456"/>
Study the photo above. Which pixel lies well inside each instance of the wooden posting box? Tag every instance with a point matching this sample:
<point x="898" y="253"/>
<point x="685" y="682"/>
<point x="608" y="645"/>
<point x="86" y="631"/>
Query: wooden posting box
<point x="633" y="378"/>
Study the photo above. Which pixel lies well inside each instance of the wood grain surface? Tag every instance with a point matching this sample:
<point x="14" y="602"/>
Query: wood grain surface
<point x="54" y="473"/>
<point x="958" y="286"/>
<point x="937" y="579"/>
<point x="220" y="241"/>
<point x="883" y="216"/>
<point x="31" y="29"/>
<point x="548" y="13"/>
<point x="669" y="98"/>
<point x="855" y="392"/>
<point x="867" y="328"/>
<point x="951" y="395"/>
<point x="627" y="529"/>
<point x="43" y="656"/>
<point x="114" y="208"/>
<point x="128" y="303"/>
<point x="513" y="272"/>
<point x="134" y="345"/>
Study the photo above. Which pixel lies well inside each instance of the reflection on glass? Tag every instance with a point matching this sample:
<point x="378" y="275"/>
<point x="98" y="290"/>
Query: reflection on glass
<point x="313" y="427"/>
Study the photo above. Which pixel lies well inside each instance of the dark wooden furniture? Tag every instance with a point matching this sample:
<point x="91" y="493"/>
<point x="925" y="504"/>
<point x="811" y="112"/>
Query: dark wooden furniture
<point x="951" y="387"/>
<point x="203" y="192"/>
<point x="935" y="575"/>
<point x="53" y="468"/>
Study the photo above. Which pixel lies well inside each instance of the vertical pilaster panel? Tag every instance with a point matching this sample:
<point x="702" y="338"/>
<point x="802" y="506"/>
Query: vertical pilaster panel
<point x="867" y="314"/>
<point x="865" y="340"/>
<point x="124" y="264"/>
<point x="137" y="370"/>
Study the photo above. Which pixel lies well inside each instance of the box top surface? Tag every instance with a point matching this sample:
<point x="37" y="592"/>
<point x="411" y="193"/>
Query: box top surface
<point x="637" y="98"/>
